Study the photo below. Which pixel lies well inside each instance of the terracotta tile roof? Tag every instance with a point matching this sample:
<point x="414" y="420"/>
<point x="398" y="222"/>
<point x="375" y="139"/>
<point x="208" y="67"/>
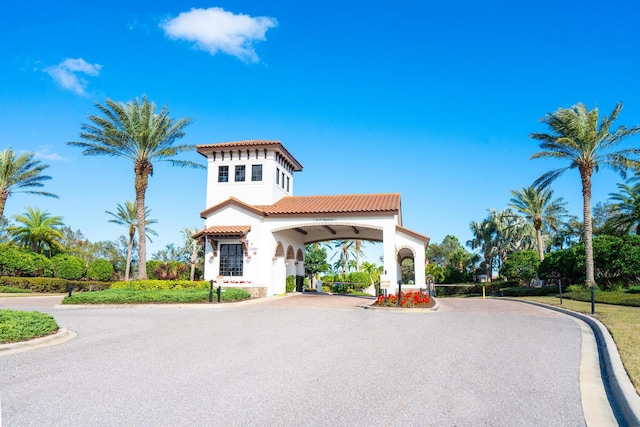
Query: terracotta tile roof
<point x="354" y="203"/>
<point x="250" y="144"/>
<point x="223" y="231"/>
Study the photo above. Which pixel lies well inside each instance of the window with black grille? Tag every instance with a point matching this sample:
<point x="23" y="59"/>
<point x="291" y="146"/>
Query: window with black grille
<point x="231" y="260"/>
<point x="239" y="173"/>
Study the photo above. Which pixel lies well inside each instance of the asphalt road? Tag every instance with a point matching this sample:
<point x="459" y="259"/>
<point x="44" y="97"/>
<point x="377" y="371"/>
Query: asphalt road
<point x="312" y="361"/>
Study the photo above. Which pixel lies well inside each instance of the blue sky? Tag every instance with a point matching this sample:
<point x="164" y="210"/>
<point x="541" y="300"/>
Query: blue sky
<point x="434" y="100"/>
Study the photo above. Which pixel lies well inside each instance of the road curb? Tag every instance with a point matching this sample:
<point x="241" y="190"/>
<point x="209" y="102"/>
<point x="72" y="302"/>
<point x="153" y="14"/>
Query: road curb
<point x="617" y="382"/>
<point x="63" y="335"/>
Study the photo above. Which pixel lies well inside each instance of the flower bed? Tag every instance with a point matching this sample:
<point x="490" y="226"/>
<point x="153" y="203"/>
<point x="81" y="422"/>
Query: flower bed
<point x="411" y="299"/>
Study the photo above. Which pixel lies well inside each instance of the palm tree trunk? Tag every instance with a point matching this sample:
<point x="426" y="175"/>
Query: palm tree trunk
<point x="194" y="258"/>
<point x="142" y="179"/>
<point x="3" y="199"/>
<point x="585" y="175"/>
<point x="127" y="270"/>
<point x="539" y="242"/>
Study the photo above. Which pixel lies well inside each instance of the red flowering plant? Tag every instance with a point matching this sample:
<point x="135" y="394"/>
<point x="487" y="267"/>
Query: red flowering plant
<point x="408" y="299"/>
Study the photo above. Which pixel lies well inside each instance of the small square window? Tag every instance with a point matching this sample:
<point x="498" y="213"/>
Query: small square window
<point x="223" y="174"/>
<point x="239" y="173"/>
<point x="256" y="172"/>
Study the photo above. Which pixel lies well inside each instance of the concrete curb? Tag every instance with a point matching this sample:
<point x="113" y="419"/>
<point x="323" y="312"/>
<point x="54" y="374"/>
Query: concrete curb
<point x="617" y="382"/>
<point x="63" y="335"/>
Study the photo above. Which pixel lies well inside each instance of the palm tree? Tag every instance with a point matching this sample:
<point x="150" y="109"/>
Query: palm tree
<point x="39" y="231"/>
<point x="127" y="216"/>
<point x="484" y="239"/>
<point x="577" y="137"/>
<point x="20" y="174"/>
<point x="538" y="206"/>
<point x="134" y="131"/>
<point x="626" y="210"/>
<point x="193" y="247"/>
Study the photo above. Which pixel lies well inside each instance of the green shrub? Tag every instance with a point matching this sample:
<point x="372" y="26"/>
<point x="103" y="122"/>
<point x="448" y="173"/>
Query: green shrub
<point x="634" y="290"/>
<point x="68" y="267"/>
<point x="51" y="284"/>
<point x="11" y="290"/>
<point x="160" y="285"/>
<point x="18" y="326"/>
<point x="529" y="291"/>
<point x="358" y="280"/>
<point x="101" y="270"/>
<point x="521" y="266"/>
<point x="290" y="283"/>
<point x="17" y="262"/>
<point x="606" y="297"/>
<point x="176" y="296"/>
<point x="234" y="294"/>
<point x="168" y="270"/>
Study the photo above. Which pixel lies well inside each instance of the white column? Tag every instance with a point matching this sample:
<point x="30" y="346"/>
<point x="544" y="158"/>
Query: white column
<point x="389" y="251"/>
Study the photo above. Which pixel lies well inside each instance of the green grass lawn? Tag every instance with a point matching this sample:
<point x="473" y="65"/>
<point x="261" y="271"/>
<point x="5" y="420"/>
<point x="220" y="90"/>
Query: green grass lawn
<point x="18" y="326"/>
<point x="622" y="322"/>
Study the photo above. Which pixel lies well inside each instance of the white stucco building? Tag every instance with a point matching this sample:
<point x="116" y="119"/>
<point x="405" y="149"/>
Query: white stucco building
<point x="255" y="229"/>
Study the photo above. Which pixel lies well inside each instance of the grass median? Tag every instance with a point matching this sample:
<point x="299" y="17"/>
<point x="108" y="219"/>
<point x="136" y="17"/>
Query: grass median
<point x="622" y="322"/>
<point x="130" y="296"/>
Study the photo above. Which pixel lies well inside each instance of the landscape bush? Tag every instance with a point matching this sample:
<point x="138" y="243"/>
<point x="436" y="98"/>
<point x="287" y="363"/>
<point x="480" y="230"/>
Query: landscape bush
<point x="68" y="267"/>
<point x="160" y="285"/>
<point x="18" y="326"/>
<point x="290" y="284"/>
<point x="606" y="297"/>
<point x="17" y="262"/>
<point x="51" y="284"/>
<point x="616" y="263"/>
<point x="528" y="291"/>
<point x="101" y="270"/>
<point x="521" y="266"/>
<point x="175" y="296"/>
<point x="167" y="270"/>
<point x="12" y="290"/>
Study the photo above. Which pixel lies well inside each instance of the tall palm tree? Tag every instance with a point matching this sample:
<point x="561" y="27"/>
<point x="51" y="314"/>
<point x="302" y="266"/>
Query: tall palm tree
<point x="484" y="239"/>
<point x="134" y="131"/>
<point x="538" y="206"/>
<point x="626" y="210"/>
<point x="19" y="175"/>
<point x="39" y="231"/>
<point x="127" y="216"/>
<point x="577" y="137"/>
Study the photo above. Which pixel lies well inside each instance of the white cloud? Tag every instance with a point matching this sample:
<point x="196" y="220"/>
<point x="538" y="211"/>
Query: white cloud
<point x="216" y="30"/>
<point x="68" y="74"/>
<point x="45" y="153"/>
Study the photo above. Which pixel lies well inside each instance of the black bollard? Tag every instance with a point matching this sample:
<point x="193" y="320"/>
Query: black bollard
<point x="70" y="289"/>
<point x="560" y="290"/>
<point x="399" y="293"/>
<point x="210" y="291"/>
<point x="219" y="291"/>
<point x="593" y="300"/>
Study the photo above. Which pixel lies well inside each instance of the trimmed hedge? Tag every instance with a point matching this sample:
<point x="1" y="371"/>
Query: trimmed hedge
<point x="528" y="291"/>
<point x="160" y="285"/>
<point x="606" y="297"/>
<point x="51" y="284"/>
<point x="176" y="296"/>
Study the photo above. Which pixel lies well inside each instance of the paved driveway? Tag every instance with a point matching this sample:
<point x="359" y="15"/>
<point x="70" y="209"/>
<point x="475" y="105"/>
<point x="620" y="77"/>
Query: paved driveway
<point x="319" y="362"/>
